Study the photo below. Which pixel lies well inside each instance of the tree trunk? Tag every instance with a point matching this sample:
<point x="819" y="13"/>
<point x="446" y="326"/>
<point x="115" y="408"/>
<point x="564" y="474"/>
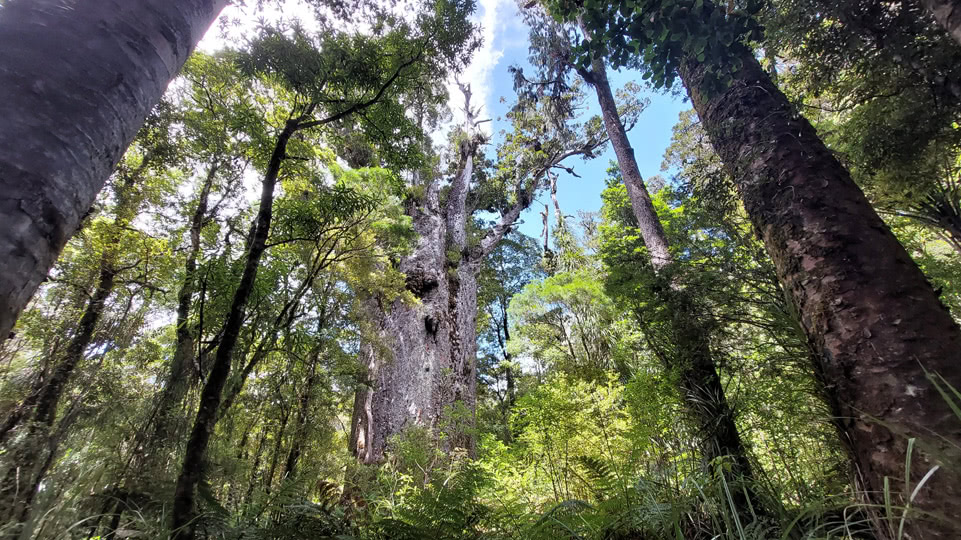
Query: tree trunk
<point x="691" y="353"/>
<point x="424" y="374"/>
<point x="301" y="429"/>
<point x="948" y="14"/>
<point x="275" y="454"/>
<point x="183" y="515"/>
<point x="416" y="341"/>
<point x="78" y="83"/>
<point x="866" y="308"/>
<point x="177" y="381"/>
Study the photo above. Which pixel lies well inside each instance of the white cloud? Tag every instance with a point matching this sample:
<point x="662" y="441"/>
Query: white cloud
<point x="478" y="73"/>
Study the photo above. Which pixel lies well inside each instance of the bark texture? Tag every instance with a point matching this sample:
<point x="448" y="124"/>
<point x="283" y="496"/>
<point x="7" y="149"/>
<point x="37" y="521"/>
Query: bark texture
<point x="426" y="363"/>
<point x="77" y="83"/>
<point x="865" y="306"/>
<point x="948" y="15"/>
<point x="423" y="371"/>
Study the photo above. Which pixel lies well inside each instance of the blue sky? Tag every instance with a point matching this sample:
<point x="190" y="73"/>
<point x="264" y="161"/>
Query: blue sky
<point x="509" y="46"/>
<point x="505" y="43"/>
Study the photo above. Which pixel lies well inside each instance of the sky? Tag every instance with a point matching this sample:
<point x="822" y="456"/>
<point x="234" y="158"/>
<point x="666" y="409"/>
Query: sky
<point x="505" y="44"/>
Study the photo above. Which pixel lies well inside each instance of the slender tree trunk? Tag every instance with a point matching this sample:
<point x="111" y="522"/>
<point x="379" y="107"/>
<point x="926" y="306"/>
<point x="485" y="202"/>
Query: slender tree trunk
<point x="17" y="488"/>
<point x="78" y="83"/>
<point x="275" y="454"/>
<point x="510" y="397"/>
<point x="32" y="460"/>
<point x="183" y="516"/>
<point x="300" y="427"/>
<point x="177" y="382"/>
<point x="866" y="308"/>
<point x="948" y="14"/>
<point x="256" y="465"/>
<point x="691" y="352"/>
<point x="647" y="221"/>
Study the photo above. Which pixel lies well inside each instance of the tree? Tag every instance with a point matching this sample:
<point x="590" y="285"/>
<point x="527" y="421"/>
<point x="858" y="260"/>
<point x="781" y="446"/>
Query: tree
<point x="326" y="82"/>
<point x="507" y="270"/>
<point x="124" y="255"/>
<point x="71" y="113"/>
<point x="853" y="285"/>
<point x="431" y="378"/>
<point x="692" y="356"/>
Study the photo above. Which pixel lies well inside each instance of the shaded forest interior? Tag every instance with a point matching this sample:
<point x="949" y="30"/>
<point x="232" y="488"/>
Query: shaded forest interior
<point x="280" y="291"/>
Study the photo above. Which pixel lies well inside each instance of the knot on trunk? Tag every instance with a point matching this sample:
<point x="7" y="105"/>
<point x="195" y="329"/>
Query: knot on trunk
<point x="420" y="282"/>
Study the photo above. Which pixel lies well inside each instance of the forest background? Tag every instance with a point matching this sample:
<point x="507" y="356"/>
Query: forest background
<point x="375" y="271"/>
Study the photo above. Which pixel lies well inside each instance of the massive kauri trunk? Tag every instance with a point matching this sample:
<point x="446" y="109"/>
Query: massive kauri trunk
<point x="424" y="374"/>
<point x="78" y="81"/>
<point x="691" y="352"/>
<point x="423" y="370"/>
<point x="867" y="309"/>
<point x="426" y="362"/>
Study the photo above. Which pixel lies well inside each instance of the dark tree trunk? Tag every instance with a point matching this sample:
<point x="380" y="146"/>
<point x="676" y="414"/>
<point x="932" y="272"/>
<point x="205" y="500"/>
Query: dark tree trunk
<point x="183" y="515"/>
<point x="20" y="484"/>
<point x="275" y="454"/>
<point x="948" y="15"/>
<point x="177" y="381"/>
<point x="866" y="308"/>
<point x="647" y="220"/>
<point x="78" y="83"/>
<point x="300" y="427"/>
<point x="690" y="354"/>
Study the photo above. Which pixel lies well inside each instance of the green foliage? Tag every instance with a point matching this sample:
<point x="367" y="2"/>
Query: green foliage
<point x="662" y="34"/>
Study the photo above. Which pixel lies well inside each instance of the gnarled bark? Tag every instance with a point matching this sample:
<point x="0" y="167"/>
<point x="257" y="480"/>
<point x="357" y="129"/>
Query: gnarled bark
<point x="424" y="374"/>
<point x="866" y="308"/>
<point x="78" y="83"/>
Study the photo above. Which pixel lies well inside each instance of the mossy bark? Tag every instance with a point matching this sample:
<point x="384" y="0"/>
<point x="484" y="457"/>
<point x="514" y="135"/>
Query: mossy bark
<point x="874" y="320"/>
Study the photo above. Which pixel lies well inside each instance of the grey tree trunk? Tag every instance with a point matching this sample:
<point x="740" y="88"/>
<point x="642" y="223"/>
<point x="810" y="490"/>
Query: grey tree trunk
<point x="38" y="411"/>
<point x="422" y="370"/>
<point x="77" y="83"/>
<point x="647" y="221"/>
<point x="691" y="353"/>
<point x="948" y="15"/>
<point x="407" y="382"/>
<point x="867" y="309"/>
